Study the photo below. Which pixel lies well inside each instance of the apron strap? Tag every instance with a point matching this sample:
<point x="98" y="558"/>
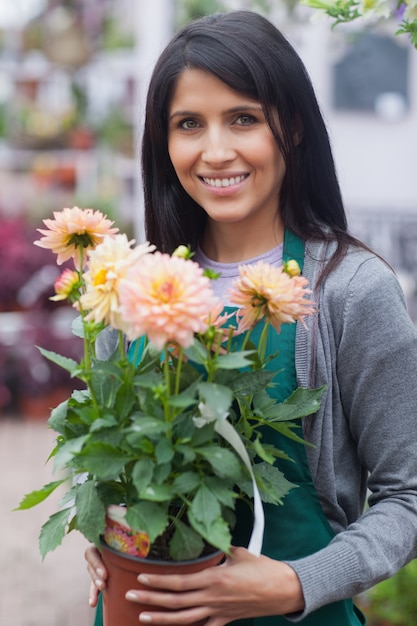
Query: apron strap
<point x="293" y="248"/>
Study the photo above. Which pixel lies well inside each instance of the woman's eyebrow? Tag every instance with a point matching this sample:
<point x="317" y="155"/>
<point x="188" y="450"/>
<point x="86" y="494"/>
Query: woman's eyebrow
<point x="237" y="109"/>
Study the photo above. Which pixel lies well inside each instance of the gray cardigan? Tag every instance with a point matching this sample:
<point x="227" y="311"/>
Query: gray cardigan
<point x="363" y="346"/>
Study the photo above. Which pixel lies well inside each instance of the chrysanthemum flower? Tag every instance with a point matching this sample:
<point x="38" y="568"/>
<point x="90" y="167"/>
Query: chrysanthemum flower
<point x="107" y="265"/>
<point x="266" y="291"/>
<point x="118" y="539"/>
<point x="142" y="544"/>
<point x="73" y="231"/>
<point x="166" y="298"/>
<point x="120" y="536"/>
<point x="66" y="286"/>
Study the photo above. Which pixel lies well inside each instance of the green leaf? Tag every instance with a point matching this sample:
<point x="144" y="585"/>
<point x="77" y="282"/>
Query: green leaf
<point x="81" y="395"/>
<point x="287" y="429"/>
<point x="39" y="495"/>
<point x="77" y="327"/>
<point x="149" y="517"/>
<point x="224" y="494"/>
<point x="301" y="403"/>
<point x="234" y="360"/>
<point x="187" y="452"/>
<point x="197" y="353"/>
<point x="107" y="421"/>
<point x="148" y="380"/>
<point x="142" y="473"/>
<point x="144" y="427"/>
<point x="105" y="461"/>
<point x="185" y="544"/>
<point x="205" y="507"/>
<point x="91" y="512"/>
<point x="251" y="382"/>
<point x="67" y="364"/>
<point x="218" y="398"/>
<point x="186" y="398"/>
<point x="164" y="451"/>
<point x="216" y="534"/>
<point x="162" y="473"/>
<point x="223" y="461"/>
<point x="105" y="382"/>
<point x="157" y="493"/>
<point x="261" y="452"/>
<point x="186" y="482"/>
<point x="66" y="452"/>
<point x="57" y="420"/>
<point x="53" y="531"/>
<point x="272" y="483"/>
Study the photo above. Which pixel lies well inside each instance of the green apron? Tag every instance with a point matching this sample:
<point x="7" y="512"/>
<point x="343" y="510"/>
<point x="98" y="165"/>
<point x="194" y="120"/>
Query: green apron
<point x="299" y="527"/>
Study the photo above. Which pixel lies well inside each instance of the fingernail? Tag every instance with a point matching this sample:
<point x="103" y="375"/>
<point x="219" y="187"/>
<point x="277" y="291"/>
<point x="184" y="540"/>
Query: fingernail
<point x="142" y="578"/>
<point x="98" y="583"/>
<point x="131" y="595"/>
<point x="144" y="617"/>
<point x="100" y="572"/>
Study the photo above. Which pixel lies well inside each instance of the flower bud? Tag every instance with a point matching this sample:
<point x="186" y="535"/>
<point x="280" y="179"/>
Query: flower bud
<point x="67" y="286"/>
<point x="291" y="268"/>
<point x="183" y="252"/>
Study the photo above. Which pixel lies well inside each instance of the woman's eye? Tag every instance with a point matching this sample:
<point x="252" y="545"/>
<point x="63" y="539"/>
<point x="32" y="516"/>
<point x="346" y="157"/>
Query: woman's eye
<point x="188" y="124"/>
<point x="245" y="119"/>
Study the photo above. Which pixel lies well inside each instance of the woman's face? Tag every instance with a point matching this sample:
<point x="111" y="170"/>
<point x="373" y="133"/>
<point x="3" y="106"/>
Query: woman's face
<point x="224" y="152"/>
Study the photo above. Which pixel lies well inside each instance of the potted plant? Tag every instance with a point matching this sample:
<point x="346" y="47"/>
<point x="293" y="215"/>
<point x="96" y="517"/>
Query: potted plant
<point x="166" y="435"/>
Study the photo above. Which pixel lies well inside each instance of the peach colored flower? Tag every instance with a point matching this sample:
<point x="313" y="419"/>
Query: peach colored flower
<point x="107" y="265"/>
<point x="73" y="231"/>
<point x="266" y="291"/>
<point x="66" y="286"/>
<point x="166" y="298"/>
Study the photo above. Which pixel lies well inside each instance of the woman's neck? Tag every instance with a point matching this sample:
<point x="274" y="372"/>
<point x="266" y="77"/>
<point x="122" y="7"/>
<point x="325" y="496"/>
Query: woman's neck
<point x="229" y="243"/>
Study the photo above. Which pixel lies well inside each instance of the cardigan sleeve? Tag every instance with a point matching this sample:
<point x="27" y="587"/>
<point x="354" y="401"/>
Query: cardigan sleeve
<point x="368" y="351"/>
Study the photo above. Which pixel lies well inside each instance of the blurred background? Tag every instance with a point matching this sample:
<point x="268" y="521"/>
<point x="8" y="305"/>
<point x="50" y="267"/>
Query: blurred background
<point x="73" y="75"/>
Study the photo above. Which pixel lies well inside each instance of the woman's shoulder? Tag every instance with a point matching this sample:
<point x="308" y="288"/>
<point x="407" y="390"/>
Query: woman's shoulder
<point x="358" y="266"/>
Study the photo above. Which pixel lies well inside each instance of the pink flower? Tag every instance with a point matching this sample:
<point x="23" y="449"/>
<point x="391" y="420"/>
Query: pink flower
<point x="266" y="291"/>
<point x="107" y="265"/>
<point x="219" y="330"/>
<point x="72" y="232"/>
<point x="166" y="298"/>
<point x="66" y="286"/>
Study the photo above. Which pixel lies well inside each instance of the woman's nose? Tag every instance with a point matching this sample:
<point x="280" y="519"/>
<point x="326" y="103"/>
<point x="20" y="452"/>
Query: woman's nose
<point x="217" y="148"/>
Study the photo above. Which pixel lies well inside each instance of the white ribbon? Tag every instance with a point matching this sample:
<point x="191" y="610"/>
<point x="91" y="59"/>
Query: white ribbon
<point x="227" y="431"/>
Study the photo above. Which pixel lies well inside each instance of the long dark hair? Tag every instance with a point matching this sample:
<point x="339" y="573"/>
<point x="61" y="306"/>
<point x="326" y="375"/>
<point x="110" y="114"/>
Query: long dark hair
<point x="245" y="51"/>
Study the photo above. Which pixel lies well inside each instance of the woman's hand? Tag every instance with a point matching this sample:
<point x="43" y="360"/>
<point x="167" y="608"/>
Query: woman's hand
<point x="97" y="572"/>
<point x="244" y="586"/>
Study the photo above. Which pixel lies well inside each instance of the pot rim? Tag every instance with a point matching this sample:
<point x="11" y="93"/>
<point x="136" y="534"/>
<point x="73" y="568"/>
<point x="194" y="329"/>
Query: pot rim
<point x="200" y="559"/>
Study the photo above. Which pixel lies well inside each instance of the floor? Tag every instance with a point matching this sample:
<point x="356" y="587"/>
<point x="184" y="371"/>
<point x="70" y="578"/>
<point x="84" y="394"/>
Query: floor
<point x="53" y="592"/>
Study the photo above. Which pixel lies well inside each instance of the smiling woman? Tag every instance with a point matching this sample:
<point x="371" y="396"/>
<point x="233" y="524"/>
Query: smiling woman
<point x="226" y="158"/>
<point x="237" y="163"/>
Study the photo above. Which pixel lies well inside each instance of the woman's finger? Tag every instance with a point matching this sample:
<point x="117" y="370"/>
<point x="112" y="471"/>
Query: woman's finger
<point x="93" y="595"/>
<point x="95" y="564"/>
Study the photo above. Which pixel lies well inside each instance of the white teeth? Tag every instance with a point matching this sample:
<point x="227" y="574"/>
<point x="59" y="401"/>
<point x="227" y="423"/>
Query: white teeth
<point x="223" y="182"/>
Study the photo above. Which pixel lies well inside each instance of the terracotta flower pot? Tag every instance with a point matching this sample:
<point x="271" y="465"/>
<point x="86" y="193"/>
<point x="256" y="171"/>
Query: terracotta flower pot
<point x="123" y="571"/>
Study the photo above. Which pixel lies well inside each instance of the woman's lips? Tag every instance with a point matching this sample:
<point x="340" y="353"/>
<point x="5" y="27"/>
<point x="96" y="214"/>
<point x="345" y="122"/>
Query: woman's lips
<point x="223" y="185"/>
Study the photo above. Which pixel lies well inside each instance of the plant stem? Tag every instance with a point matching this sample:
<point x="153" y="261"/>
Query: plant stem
<point x="262" y="342"/>
<point x="121" y="345"/>
<point x="178" y="372"/>
<point x="167" y="374"/>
